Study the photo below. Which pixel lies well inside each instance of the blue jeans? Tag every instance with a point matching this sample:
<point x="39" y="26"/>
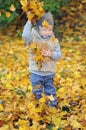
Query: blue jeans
<point x="44" y="84"/>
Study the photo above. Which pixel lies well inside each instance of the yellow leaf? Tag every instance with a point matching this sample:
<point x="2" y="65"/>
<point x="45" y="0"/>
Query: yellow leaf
<point x="24" y="80"/>
<point x="8" y="85"/>
<point x="75" y="124"/>
<point x="11" y="52"/>
<point x="8" y="14"/>
<point x="5" y="127"/>
<point x="53" y="39"/>
<point x="1" y="107"/>
<point x="33" y="4"/>
<point x="23" y="2"/>
<point x="61" y="92"/>
<point x="30" y="16"/>
<point x="30" y="105"/>
<point x="23" y="128"/>
<point x="29" y="88"/>
<point x="45" y="24"/>
<point x="76" y="75"/>
<point x="42" y="100"/>
<point x="80" y="6"/>
<point x="37" y="58"/>
<point x="33" y="45"/>
<point x="34" y="7"/>
<point x="23" y="124"/>
<point x="56" y="120"/>
<point x="9" y="75"/>
<point x="12" y="8"/>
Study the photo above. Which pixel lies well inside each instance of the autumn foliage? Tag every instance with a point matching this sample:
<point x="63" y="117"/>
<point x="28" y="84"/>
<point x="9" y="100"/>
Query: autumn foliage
<point x="18" y="108"/>
<point x="33" y="9"/>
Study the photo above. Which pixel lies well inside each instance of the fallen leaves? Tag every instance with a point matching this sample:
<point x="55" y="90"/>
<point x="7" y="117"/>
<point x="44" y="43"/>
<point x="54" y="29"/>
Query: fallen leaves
<point x="18" y="107"/>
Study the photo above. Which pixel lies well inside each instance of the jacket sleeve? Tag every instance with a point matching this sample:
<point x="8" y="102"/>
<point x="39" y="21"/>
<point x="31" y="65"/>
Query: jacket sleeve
<point x="56" y="54"/>
<point x="26" y="35"/>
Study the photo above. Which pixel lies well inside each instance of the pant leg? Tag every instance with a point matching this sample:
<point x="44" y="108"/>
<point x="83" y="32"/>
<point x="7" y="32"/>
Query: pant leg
<point x="49" y="89"/>
<point x="36" y="85"/>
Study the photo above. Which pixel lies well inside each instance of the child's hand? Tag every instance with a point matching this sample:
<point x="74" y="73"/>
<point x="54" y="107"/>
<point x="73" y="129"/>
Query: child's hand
<point x="32" y="20"/>
<point x="46" y="52"/>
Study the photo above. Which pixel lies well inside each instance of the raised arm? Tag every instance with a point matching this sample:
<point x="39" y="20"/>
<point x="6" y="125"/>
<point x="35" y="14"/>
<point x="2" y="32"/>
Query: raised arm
<point x="26" y="35"/>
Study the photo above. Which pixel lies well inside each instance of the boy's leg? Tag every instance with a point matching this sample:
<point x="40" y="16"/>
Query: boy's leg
<point x="36" y="85"/>
<point x="49" y="89"/>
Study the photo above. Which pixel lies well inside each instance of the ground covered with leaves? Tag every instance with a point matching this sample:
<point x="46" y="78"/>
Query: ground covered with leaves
<point x="18" y="107"/>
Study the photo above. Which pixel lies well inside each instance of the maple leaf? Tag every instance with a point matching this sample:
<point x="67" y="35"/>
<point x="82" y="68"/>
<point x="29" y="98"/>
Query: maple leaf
<point x="45" y="24"/>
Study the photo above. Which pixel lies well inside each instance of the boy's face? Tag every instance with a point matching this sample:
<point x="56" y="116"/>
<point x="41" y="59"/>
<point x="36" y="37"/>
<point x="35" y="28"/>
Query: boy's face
<point x="46" y="31"/>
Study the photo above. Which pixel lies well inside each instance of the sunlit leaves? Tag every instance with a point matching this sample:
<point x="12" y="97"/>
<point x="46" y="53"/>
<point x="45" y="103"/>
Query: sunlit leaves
<point x="16" y="91"/>
<point x="33" y="9"/>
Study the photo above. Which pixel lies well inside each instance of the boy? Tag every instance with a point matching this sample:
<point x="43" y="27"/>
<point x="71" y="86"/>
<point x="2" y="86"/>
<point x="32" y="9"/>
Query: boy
<point x="44" y="77"/>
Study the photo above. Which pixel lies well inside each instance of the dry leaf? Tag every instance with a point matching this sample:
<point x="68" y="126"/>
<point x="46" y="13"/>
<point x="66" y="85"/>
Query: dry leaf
<point x="12" y="8"/>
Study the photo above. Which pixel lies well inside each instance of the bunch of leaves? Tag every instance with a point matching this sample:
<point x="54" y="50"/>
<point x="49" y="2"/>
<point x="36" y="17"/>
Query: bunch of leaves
<point x="8" y="12"/>
<point x="36" y="49"/>
<point x="33" y="9"/>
